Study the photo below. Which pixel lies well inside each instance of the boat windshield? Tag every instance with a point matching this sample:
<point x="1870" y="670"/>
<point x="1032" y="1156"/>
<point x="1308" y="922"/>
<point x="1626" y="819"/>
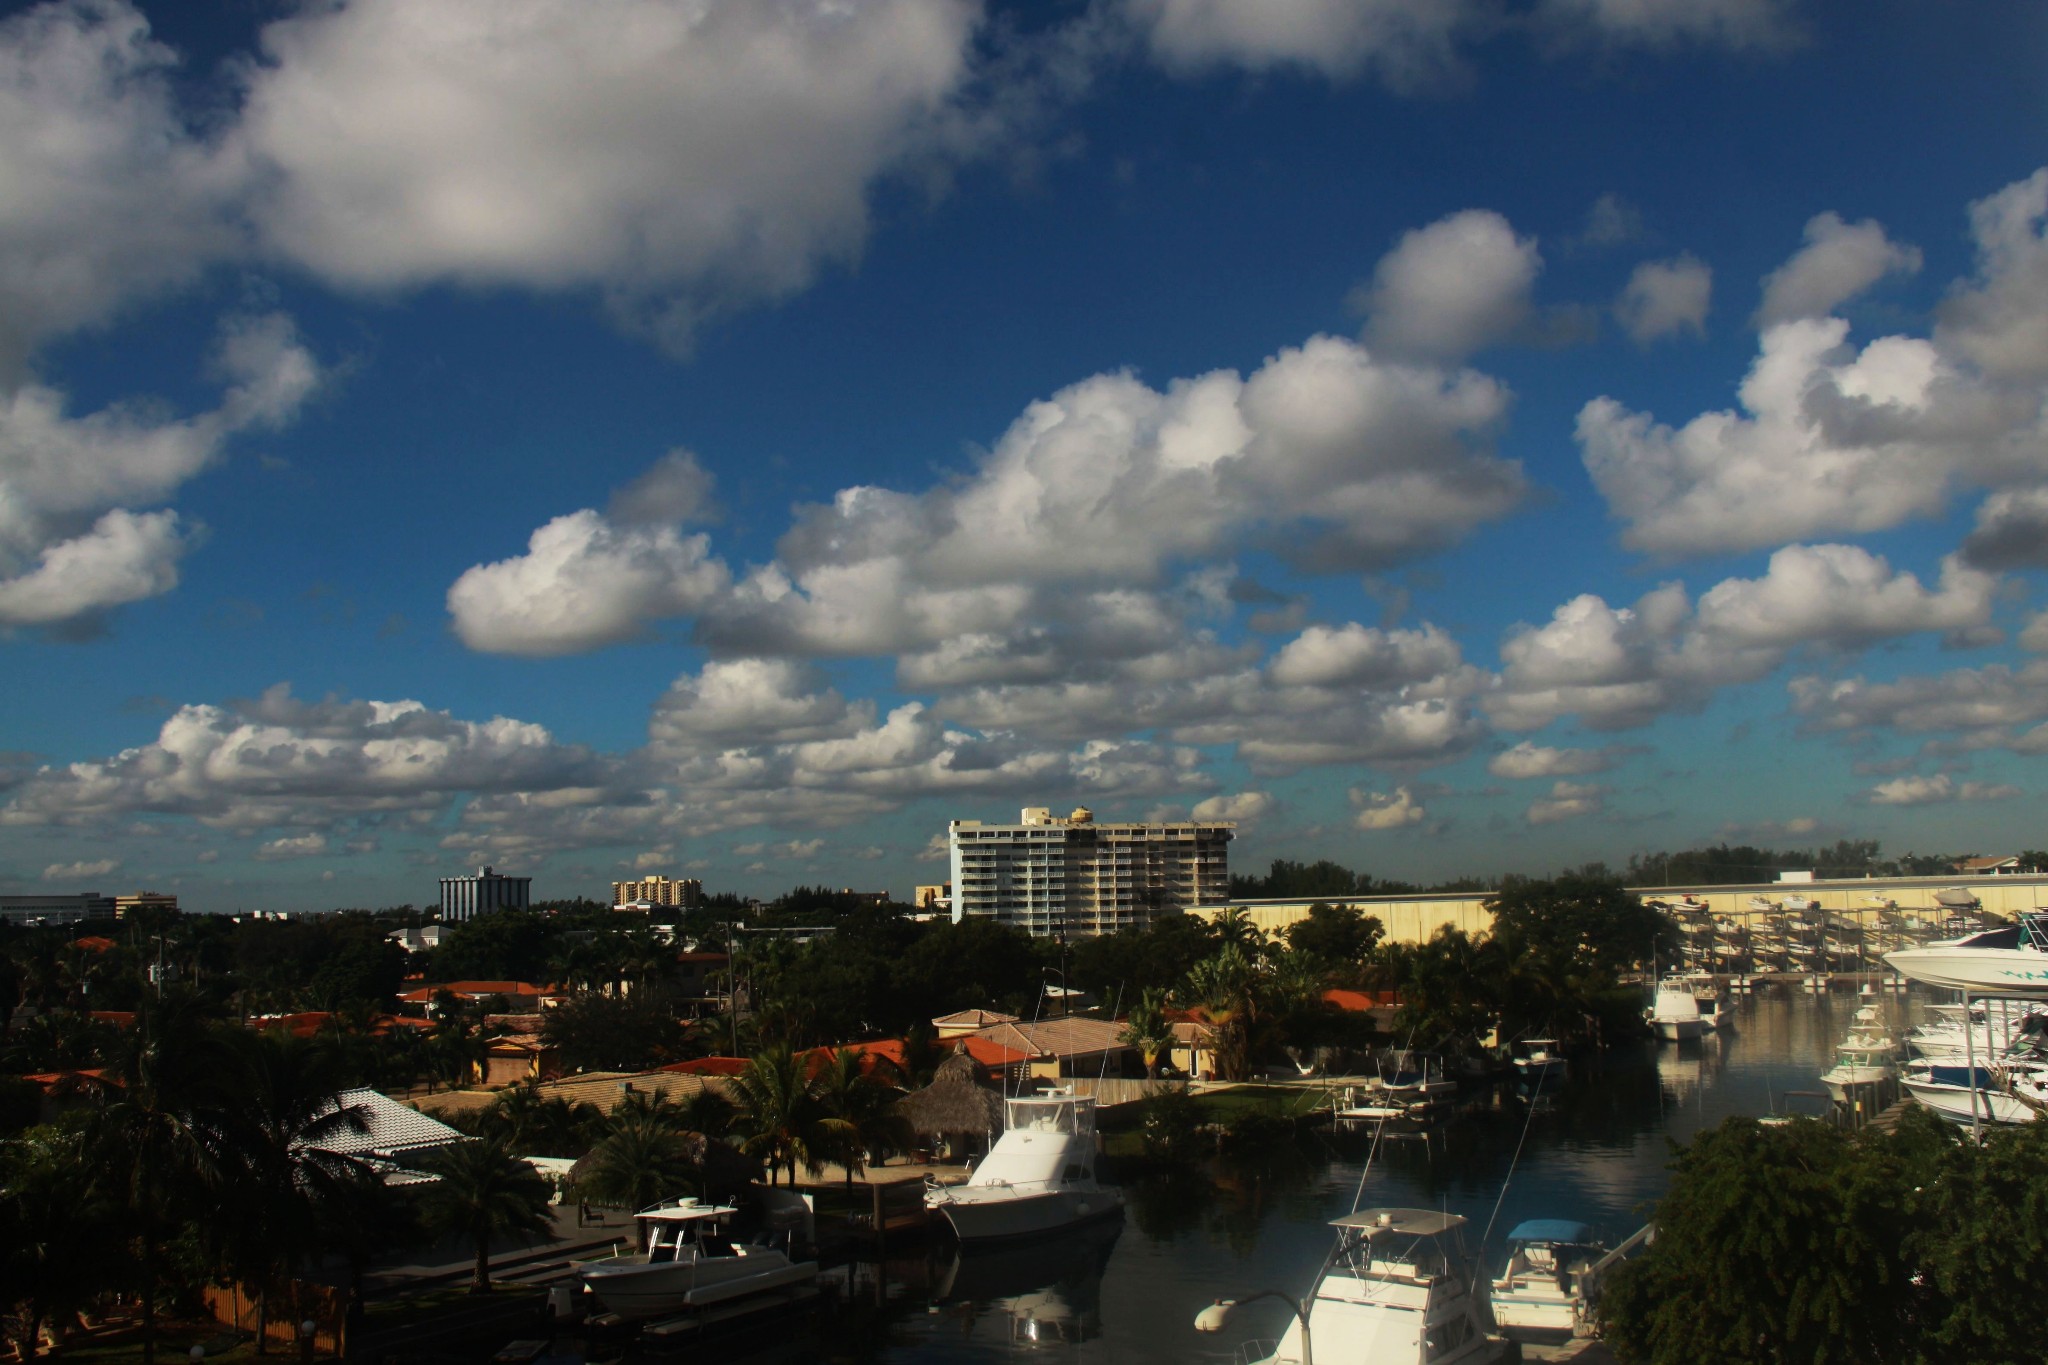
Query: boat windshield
<point x="2007" y="937"/>
<point x="1052" y="1114"/>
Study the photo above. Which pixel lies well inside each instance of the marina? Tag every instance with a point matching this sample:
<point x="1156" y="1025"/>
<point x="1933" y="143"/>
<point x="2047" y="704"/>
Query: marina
<point x="1593" y="1154"/>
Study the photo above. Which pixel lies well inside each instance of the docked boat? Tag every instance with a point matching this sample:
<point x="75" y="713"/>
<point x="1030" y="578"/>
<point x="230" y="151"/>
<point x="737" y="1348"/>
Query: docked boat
<point x="1396" y="1290"/>
<point x="1962" y="1096"/>
<point x="2009" y="961"/>
<point x="1039" y="1178"/>
<point x="1541" y="1295"/>
<point x="1863" y="1058"/>
<point x="690" y="1263"/>
<point x="1676" y="1014"/>
<point x="1540" y="1061"/>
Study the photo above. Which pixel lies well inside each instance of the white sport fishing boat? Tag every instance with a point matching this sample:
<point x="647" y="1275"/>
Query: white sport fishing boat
<point x="1676" y="1014"/>
<point x="690" y="1263"/>
<point x="1541" y="1295"/>
<point x="1039" y="1178"/>
<point x="2008" y="961"/>
<point x="1396" y="1290"/>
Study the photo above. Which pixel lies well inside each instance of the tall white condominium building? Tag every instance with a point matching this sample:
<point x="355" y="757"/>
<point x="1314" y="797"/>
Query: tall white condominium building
<point x="464" y="898"/>
<point x="1067" y="874"/>
<point x="684" y="892"/>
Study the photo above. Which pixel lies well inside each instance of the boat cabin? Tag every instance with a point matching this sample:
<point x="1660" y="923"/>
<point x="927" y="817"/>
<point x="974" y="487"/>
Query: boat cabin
<point x="1396" y="1288"/>
<point x="1049" y="1141"/>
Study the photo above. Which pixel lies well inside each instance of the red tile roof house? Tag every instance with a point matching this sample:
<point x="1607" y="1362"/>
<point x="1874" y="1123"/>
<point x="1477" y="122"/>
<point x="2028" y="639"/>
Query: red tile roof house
<point x="521" y="995"/>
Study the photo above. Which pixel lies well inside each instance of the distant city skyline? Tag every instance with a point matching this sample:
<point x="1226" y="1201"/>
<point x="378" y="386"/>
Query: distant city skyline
<point x="733" y="441"/>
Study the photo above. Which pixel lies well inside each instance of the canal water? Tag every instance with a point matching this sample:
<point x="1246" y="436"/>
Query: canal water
<point x="1595" y="1151"/>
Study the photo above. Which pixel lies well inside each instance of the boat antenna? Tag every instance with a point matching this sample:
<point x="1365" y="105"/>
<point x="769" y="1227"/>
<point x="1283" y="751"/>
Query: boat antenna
<point x="1103" y="1072"/>
<point x="1359" y="1194"/>
<point x="1527" y="1120"/>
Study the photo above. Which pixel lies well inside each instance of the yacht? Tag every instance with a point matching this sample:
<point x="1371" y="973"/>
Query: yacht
<point x="690" y="1263"/>
<point x="1676" y="1014"/>
<point x="1541" y="1296"/>
<point x="1040" y="1176"/>
<point x="2008" y="961"/>
<point x="1396" y="1290"/>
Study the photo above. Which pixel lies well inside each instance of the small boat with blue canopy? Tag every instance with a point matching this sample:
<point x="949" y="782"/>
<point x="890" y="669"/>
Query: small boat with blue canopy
<point x="1541" y="1296"/>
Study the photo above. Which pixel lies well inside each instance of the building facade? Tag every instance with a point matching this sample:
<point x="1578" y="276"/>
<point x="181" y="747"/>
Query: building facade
<point x="464" y="898"/>
<point x="144" y="900"/>
<point x="1065" y="874"/>
<point x="81" y="909"/>
<point x="685" y="893"/>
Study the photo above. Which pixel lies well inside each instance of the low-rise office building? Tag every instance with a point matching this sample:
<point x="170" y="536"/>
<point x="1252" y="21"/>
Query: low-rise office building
<point x="464" y="898"/>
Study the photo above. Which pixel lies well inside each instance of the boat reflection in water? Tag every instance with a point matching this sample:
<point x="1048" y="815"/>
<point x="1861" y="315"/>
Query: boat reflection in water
<point x="1049" y="1289"/>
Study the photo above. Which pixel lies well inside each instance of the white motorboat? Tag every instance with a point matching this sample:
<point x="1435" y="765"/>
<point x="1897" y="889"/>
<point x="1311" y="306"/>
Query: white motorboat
<point x="1540" y="1061"/>
<point x="1039" y="1177"/>
<point x="1541" y="1295"/>
<point x="1676" y="1014"/>
<point x="1396" y="1290"/>
<point x="1948" y="1091"/>
<point x="2009" y="961"/>
<point x="690" y="1263"/>
<point x="1863" y="1058"/>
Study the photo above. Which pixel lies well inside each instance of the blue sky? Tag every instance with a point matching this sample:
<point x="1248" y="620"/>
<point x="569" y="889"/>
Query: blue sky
<point x="733" y="439"/>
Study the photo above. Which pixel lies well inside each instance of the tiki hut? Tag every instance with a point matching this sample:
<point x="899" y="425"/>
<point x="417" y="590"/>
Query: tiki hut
<point x="956" y="1110"/>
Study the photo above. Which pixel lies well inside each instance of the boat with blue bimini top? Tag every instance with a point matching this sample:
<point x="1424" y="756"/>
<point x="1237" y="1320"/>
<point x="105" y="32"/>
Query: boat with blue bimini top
<point x="1541" y="1295"/>
<point x="1039" y="1178"/>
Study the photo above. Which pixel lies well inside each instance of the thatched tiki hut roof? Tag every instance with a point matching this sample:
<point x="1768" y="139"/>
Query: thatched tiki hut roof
<point x="955" y="1103"/>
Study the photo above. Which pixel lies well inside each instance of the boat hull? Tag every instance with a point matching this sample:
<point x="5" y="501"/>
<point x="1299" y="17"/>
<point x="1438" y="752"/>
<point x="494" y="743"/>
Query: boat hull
<point x="1680" y="1030"/>
<point x="1988" y="971"/>
<point x="640" y="1292"/>
<point x="1524" y="1314"/>
<point x="1953" y="1102"/>
<point x="1029" y="1215"/>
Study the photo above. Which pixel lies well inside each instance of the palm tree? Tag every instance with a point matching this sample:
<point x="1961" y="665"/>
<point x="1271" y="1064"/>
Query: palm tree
<point x="780" y="1115"/>
<point x="1147" y="1029"/>
<point x="164" y="1139"/>
<point x="281" y="1128"/>
<point x="484" y="1192"/>
<point x="852" y="1095"/>
<point x="641" y="1161"/>
<point x="54" y="1230"/>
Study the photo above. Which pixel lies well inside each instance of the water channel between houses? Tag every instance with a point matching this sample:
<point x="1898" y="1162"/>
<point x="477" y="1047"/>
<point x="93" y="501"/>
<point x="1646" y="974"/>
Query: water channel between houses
<point x="1595" y="1151"/>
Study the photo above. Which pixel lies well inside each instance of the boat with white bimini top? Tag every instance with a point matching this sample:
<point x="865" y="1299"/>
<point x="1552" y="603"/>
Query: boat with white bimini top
<point x="1541" y="1295"/>
<point x="690" y="1263"/>
<point x="1039" y="1177"/>
<point x="1676" y="1014"/>
<point x="1540" y="1061"/>
<point x="1864" y="1057"/>
<point x="1396" y="1290"/>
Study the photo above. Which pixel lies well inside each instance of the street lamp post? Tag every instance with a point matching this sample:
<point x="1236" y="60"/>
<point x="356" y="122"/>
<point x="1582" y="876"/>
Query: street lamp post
<point x="1213" y="1318"/>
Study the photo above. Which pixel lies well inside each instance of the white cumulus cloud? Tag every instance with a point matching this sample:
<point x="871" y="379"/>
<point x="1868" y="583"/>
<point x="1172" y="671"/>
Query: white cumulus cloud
<point x="1397" y="809"/>
<point x="1664" y="298"/>
<point x="82" y="870"/>
<point x="1935" y="790"/>
<point x="1567" y="801"/>
<point x="1451" y="288"/>
<point x="1839" y="261"/>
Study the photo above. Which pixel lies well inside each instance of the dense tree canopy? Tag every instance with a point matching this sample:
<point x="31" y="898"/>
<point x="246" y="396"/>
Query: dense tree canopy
<point x="1803" y="1243"/>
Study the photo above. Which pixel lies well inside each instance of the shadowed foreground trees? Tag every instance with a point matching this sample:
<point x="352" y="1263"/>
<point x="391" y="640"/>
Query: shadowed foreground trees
<point x="1801" y="1243"/>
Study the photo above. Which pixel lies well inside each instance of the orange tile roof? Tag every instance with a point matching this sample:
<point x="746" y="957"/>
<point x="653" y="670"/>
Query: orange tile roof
<point x="118" y="1018"/>
<point x="1358" y="1002"/>
<point x="93" y="943"/>
<point x="990" y="1053"/>
<point x="708" y="1066"/>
